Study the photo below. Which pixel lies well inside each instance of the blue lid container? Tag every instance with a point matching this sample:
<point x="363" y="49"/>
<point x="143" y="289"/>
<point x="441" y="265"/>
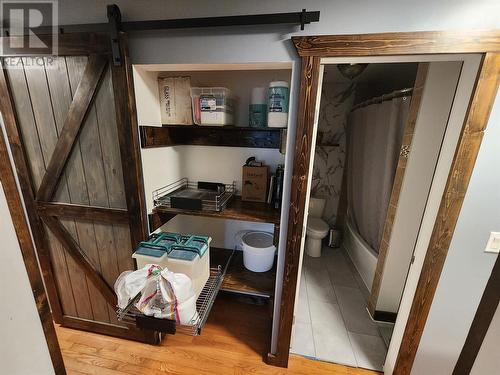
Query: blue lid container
<point x="177" y="246"/>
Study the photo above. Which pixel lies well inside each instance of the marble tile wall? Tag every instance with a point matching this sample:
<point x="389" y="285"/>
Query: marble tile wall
<point x="336" y="102"/>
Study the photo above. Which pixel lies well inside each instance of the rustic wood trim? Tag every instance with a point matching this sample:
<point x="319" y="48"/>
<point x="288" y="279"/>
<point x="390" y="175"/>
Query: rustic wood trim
<point x="129" y="333"/>
<point x="449" y="210"/>
<point x="81" y="212"/>
<point x="26" y="185"/>
<point x="73" y="249"/>
<point x="128" y="134"/>
<point x="72" y="125"/>
<point x="412" y="43"/>
<point x="228" y="136"/>
<point x="416" y="99"/>
<point x="301" y="164"/>
<point x="482" y="320"/>
<point x="28" y="252"/>
<point x="73" y="44"/>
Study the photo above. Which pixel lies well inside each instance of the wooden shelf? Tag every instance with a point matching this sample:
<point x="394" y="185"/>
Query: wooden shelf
<point x="240" y="280"/>
<point x="229" y="136"/>
<point x="236" y="209"/>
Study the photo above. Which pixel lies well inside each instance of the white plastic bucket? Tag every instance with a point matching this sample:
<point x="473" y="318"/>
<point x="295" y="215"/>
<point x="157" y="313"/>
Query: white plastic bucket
<point x="258" y="251"/>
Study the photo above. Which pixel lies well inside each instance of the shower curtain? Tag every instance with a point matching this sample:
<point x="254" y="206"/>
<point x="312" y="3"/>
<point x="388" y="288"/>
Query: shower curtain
<point x="374" y="139"/>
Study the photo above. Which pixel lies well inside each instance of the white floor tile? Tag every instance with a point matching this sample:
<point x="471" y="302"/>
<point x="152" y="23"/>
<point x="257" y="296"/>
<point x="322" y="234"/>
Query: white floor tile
<point x="302" y="340"/>
<point x="370" y="351"/>
<point x="331" y="340"/>
<point x="353" y="307"/>
<point x="339" y="270"/>
<point x="359" y="280"/>
<point x="311" y="263"/>
<point x="319" y="286"/>
<point x="302" y="312"/>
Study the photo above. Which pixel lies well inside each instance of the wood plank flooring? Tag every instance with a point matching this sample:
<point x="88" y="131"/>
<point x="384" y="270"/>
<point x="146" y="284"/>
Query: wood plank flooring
<point x="233" y="341"/>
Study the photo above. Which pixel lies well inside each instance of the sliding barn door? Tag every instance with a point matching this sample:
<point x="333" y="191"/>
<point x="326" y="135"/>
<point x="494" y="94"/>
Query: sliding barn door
<point x="74" y="140"/>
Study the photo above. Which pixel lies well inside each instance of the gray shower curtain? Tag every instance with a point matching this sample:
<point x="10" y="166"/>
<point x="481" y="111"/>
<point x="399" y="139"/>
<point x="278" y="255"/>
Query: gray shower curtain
<point x="374" y="140"/>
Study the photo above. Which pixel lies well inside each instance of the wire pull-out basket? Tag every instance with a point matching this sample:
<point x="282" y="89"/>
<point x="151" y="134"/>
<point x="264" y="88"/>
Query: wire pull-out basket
<point x="131" y="315"/>
<point x="189" y="195"/>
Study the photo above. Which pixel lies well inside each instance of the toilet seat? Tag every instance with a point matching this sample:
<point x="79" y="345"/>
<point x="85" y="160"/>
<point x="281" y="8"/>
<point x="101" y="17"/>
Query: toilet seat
<point x="317" y="226"/>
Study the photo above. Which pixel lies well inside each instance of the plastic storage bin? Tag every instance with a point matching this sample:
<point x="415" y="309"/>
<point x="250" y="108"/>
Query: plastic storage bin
<point x="185" y="254"/>
<point x="212" y="106"/>
<point x="258" y="251"/>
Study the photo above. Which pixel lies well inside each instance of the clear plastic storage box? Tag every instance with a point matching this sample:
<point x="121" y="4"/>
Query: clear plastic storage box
<point x="185" y="254"/>
<point x="213" y="106"/>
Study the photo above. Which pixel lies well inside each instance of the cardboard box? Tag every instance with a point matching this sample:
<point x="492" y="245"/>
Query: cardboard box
<point x="255" y="183"/>
<point x="175" y="100"/>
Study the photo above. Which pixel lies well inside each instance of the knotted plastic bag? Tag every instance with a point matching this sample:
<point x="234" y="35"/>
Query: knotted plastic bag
<point x="163" y="294"/>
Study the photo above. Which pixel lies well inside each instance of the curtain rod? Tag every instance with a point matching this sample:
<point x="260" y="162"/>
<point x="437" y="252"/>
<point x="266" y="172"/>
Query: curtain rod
<point x="385" y="97"/>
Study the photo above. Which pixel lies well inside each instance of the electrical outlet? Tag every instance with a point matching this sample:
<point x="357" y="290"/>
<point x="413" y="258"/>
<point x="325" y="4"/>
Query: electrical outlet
<point x="493" y="245"/>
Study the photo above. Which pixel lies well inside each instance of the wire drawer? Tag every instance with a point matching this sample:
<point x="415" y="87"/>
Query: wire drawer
<point x="189" y="195"/>
<point x="204" y="303"/>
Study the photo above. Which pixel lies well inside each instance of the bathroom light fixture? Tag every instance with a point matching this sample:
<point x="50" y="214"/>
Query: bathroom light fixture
<point x="351" y="71"/>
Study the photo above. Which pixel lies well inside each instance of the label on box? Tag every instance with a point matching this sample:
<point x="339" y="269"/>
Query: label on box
<point x="254" y="183"/>
<point x="166" y="97"/>
<point x="208" y="103"/>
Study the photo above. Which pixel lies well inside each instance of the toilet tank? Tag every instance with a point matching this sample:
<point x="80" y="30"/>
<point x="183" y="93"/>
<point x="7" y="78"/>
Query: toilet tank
<point x="316" y="206"/>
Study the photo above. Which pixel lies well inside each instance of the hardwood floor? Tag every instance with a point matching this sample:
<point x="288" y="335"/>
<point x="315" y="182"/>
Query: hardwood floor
<point x="233" y="341"/>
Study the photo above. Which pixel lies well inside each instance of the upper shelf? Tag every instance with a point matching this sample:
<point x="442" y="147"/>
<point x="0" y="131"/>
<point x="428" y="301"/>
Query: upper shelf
<point x="236" y="209"/>
<point x="231" y="136"/>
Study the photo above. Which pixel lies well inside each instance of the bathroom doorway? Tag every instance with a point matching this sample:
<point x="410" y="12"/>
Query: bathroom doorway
<point x="378" y="136"/>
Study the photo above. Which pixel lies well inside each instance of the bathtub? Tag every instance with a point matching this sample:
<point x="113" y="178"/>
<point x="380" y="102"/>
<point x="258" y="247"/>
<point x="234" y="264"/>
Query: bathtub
<point x="361" y="254"/>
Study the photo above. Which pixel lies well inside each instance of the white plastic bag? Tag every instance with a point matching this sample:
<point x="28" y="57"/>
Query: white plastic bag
<point x="185" y="304"/>
<point x="164" y="294"/>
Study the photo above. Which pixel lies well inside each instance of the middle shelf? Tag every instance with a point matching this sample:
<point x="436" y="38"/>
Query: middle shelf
<point x="236" y="209"/>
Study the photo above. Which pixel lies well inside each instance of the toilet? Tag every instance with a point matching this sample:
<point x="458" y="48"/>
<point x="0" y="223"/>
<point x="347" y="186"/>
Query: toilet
<point x="317" y="228"/>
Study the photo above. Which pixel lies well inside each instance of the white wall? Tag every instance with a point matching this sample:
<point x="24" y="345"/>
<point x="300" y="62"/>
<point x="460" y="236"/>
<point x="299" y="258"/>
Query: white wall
<point x="488" y="360"/>
<point x="165" y="165"/>
<point x="467" y="268"/>
<point x="23" y="349"/>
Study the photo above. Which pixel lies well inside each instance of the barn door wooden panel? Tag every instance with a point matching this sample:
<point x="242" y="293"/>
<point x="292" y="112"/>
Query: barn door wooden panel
<point x="69" y="124"/>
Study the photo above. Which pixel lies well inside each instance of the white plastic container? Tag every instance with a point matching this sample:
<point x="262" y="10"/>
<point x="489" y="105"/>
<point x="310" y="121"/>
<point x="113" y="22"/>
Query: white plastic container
<point x="278" y="100"/>
<point x="258" y="251"/>
<point x="155" y="257"/>
<point x="212" y="106"/>
<point x="196" y="267"/>
<point x="257" y="108"/>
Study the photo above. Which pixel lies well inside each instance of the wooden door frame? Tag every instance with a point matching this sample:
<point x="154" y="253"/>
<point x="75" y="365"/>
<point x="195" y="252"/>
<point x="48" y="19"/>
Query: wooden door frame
<point x="85" y="44"/>
<point x="311" y="49"/>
